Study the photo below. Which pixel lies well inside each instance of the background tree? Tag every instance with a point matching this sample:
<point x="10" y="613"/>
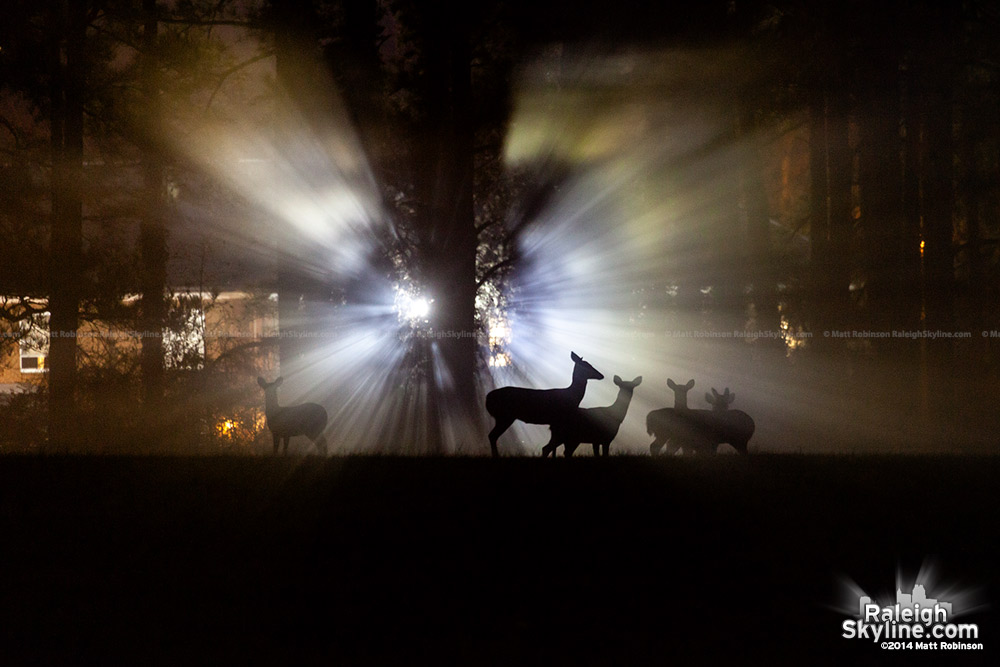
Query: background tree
<point x="67" y="85"/>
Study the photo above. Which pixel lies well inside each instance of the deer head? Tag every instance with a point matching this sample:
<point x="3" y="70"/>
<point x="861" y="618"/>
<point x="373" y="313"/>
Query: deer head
<point x="680" y="393"/>
<point x="583" y="370"/>
<point x="720" y="401"/>
<point x="628" y="385"/>
<point x="265" y="385"/>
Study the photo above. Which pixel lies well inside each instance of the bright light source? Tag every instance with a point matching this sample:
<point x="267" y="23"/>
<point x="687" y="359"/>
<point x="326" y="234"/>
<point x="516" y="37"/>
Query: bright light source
<point x="418" y="308"/>
<point x="499" y="339"/>
<point x="411" y="306"/>
<point x="499" y="360"/>
<point x="499" y="334"/>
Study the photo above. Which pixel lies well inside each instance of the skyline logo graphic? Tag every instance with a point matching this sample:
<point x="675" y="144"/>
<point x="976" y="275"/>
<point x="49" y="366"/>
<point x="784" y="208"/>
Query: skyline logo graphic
<point x="917" y="603"/>
<point x="914" y="621"/>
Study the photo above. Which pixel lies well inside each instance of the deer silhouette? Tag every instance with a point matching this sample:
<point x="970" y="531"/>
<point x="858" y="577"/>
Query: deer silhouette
<point x="598" y="426"/>
<point x="538" y="406"/>
<point x="308" y="419"/>
<point x="699" y="431"/>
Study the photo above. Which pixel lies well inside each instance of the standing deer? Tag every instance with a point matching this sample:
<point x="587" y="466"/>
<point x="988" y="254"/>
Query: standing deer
<point x="538" y="406"/>
<point x="699" y="431"/>
<point x="308" y="419"/>
<point x="598" y="426"/>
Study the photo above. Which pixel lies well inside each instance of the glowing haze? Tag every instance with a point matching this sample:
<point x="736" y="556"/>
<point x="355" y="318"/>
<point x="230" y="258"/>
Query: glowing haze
<point x="625" y="265"/>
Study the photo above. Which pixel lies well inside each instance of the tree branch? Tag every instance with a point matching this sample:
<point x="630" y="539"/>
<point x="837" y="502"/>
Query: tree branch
<point x="486" y="225"/>
<point x="13" y="131"/>
<point x="492" y="271"/>
<point x="26" y="305"/>
<point x="232" y="70"/>
<point x="116" y="37"/>
<point x="243" y="347"/>
<point x="210" y="22"/>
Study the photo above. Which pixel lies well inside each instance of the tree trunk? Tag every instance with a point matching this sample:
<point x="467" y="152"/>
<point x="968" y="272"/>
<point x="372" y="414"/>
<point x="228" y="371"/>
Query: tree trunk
<point x="152" y="232"/>
<point x="67" y="214"/>
<point x="937" y="98"/>
<point x="911" y="255"/>
<point x="881" y="193"/>
<point x="756" y="221"/>
<point x="831" y="162"/>
<point x="974" y="184"/>
<point x="819" y="203"/>
<point x="358" y="70"/>
<point x="461" y="353"/>
<point x="451" y="256"/>
<point x="295" y="73"/>
<point x="938" y="205"/>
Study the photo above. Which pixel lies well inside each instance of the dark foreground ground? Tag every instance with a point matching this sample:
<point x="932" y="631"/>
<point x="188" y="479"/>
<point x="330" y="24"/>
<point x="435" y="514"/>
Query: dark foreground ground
<point x="479" y="562"/>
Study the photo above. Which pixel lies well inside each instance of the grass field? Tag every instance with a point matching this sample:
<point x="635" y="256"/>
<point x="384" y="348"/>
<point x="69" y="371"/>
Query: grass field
<point x="480" y="562"/>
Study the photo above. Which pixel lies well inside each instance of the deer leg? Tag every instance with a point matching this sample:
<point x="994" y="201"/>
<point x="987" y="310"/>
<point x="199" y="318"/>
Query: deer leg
<point x="284" y="445"/>
<point x="501" y="426"/>
<point x="551" y="447"/>
<point x="320" y="443"/>
<point x="655" y="447"/>
<point x="277" y="440"/>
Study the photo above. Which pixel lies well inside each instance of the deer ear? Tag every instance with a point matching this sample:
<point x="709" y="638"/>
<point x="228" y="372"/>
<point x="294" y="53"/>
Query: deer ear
<point x="671" y="384"/>
<point x="261" y="381"/>
<point x="709" y="398"/>
<point x="277" y="383"/>
<point x="575" y="357"/>
<point x="618" y="381"/>
<point x="637" y="381"/>
<point x="732" y="397"/>
<point x="690" y="383"/>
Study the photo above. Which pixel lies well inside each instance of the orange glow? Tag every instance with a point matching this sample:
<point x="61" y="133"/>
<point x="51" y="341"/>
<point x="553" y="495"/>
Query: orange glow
<point x="921" y="248"/>
<point x="226" y="428"/>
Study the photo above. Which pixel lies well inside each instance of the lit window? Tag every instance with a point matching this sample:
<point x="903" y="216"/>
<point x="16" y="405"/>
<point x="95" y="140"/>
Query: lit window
<point x="34" y="343"/>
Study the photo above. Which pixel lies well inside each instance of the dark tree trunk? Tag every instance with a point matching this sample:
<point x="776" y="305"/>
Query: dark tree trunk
<point x="357" y="66"/>
<point x="881" y="189"/>
<point x="295" y="71"/>
<point x="910" y="255"/>
<point x="831" y="162"/>
<point x="69" y="23"/>
<point x="938" y="204"/>
<point x="840" y="169"/>
<point x="451" y="253"/>
<point x="937" y="100"/>
<point x="152" y="231"/>
<point x="819" y="202"/>
<point x="974" y="184"/>
<point x="461" y="353"/>
<point x="756" y="223"/>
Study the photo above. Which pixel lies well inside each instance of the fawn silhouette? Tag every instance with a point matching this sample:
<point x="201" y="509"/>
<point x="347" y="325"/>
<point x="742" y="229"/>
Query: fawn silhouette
<point x="699" y="431"/>
<point x="538" y="406"/>
<point x="308" y="419"/>
<point x="598" y="426"/>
